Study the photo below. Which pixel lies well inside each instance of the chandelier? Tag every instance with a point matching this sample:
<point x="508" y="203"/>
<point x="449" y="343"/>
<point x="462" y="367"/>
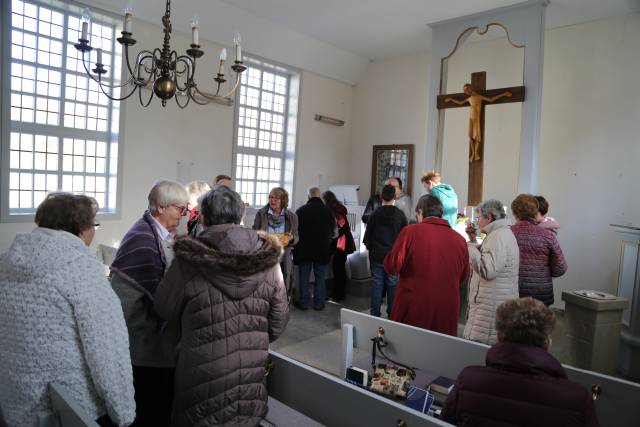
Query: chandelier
<point x="168" y="74"/>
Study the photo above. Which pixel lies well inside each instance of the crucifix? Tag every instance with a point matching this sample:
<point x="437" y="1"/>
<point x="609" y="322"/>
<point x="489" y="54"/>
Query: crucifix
<point x="477" y="96"/>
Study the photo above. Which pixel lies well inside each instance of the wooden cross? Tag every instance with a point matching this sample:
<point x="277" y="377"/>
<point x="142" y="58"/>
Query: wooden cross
<point x="457" y="100"/>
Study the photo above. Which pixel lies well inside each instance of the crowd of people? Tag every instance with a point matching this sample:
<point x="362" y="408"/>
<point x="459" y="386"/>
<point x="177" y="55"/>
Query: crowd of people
<point x="179" y="332"/>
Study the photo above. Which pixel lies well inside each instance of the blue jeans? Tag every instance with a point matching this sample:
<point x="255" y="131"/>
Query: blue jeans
<point x="319" y="288"/>
<point x="380" y="278"/>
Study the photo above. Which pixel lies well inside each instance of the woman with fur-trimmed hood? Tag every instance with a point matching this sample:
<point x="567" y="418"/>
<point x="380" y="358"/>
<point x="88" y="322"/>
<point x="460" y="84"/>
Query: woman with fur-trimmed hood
<point x="226" y="288"/>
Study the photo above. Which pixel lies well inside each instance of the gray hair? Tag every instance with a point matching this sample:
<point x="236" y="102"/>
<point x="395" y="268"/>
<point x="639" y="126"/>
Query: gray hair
<point x="492" y="208"/>
<point x="313" y="192"/>
<point x="221" y="205"/>
<point x="167" y="193"/>
<point x="430" y="206"/>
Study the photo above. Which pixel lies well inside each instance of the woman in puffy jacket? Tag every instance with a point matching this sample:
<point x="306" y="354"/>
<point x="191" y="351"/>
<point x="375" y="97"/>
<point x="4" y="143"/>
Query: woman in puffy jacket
<point x="60" y="321"/>
<point x="541" y="257"/>
<point x="226" y="288"/>
<point x="494" y="265"/>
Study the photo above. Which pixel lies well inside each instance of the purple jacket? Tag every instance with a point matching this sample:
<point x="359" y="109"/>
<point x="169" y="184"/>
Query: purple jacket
<point x="540" y="259"/>
<point x="521" y="385"/>
<point x="140" y="259"/>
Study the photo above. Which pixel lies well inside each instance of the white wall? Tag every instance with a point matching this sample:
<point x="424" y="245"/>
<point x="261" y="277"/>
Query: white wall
<point x="390" y="107"/>
<point x="590" y="144"/>
<point x="155" y="139"/>
<point x="322" y="151"/>
<point x="589" y="137"/>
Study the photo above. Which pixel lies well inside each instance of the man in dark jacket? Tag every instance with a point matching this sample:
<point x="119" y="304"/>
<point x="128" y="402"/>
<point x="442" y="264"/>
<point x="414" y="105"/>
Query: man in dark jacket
<point x="317" y="228"/>
<point x="522" y="384"/>
<point x="373" y="203"/>
<point x="383" y="227"/>
<point x="226" y="289"/>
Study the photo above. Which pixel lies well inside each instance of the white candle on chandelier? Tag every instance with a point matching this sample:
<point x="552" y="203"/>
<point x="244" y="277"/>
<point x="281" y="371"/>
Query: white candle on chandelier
<point x="85" y="19"/>
<point x="236" y="41"/>
<point x="99" y="50"/>
<point x="223" y="57"/>
<point x="195" y="35"/>
<point x="128" y="20"/>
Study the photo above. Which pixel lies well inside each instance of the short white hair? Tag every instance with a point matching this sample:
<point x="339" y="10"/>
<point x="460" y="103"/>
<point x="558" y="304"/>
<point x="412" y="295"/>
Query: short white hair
<point x="166" y="193"/>
<point x="197" y="188"/>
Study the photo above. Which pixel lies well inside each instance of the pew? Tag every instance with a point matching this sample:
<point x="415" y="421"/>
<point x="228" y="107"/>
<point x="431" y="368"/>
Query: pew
<point x="616" y="399"/>
<point x="66" y="411"/>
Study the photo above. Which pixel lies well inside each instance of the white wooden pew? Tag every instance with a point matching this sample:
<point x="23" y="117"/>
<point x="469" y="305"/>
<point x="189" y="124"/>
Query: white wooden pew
<point x="617" y="404"/>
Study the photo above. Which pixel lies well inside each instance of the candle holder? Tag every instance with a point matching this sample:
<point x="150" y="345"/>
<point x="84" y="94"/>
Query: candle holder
<point x="163" y="70"/>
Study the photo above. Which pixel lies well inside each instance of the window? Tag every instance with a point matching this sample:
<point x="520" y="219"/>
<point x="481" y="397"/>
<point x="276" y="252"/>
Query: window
<point x="266" y="117"/>
<point x="62" y="131"/>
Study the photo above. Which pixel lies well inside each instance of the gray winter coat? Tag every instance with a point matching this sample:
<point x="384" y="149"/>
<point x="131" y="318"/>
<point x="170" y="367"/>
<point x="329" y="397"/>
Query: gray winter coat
<point x="494" y="279"/>
<point x="226" y="288"/>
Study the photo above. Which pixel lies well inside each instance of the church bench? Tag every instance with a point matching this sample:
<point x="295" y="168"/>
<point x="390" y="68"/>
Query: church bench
<point x="439" y="354"/>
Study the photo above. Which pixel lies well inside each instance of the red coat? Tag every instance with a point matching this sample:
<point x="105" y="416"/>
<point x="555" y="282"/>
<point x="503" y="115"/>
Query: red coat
<point x="432" y="260"/>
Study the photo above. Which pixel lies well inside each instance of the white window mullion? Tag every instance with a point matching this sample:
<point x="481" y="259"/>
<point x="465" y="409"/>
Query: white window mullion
<point x="270" y="101"/>
<point x="38" y="110"/>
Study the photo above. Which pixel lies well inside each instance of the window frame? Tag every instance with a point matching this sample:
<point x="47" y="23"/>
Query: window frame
<point x="59" y="131"/>
<point x="289" y="153"/>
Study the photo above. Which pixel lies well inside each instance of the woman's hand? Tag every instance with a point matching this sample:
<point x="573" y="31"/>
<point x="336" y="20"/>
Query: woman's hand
<point x="471" y="232"/>
<point x="286" y="239"/>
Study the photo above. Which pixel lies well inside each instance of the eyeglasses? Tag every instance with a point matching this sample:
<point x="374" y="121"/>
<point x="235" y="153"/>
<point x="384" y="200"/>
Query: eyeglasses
<point x="182" y="209"/>
<point x="96" y="225"/>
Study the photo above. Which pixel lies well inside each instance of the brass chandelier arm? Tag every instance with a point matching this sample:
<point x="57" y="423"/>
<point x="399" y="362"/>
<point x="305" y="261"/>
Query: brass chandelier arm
<point x="143" y="56"/>
<point x="185" y="94"/>
<point x="194" y="96"/>
<point x="142" y="102"/>
<point x="113" y="98"/>
<point x="188" y="69"/>
<point x="216" y="97"/>
<point x="99" y="81"/>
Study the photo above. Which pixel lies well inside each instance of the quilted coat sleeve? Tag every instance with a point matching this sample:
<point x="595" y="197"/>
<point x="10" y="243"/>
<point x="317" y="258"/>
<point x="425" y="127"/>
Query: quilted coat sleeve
<point x="170" y="295"/>
<point x="488" y="259"/>
<point x="105" y="343"/>
<point x="395" y="259"/>
<point x="278" y="305"/>
<point x="557" y="263"/>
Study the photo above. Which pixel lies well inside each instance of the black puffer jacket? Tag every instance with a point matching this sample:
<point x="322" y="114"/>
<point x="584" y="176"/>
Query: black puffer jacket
<point x="227" y="289"/>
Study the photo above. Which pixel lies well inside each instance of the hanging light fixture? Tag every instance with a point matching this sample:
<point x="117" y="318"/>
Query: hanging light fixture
<point x="162" y="70"/>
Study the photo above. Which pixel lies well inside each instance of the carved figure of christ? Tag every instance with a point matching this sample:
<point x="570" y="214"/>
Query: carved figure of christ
<point x="475" y="101"/>
<point x="477" y="97"/>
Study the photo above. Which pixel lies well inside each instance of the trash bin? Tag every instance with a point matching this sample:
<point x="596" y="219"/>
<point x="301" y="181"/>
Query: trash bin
<point x="593" y="328"/>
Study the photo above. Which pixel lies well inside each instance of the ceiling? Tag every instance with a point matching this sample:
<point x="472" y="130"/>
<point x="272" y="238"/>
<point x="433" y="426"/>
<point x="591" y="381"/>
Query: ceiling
<point x="377" y="29"/>
<point x="338" y="38"/>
